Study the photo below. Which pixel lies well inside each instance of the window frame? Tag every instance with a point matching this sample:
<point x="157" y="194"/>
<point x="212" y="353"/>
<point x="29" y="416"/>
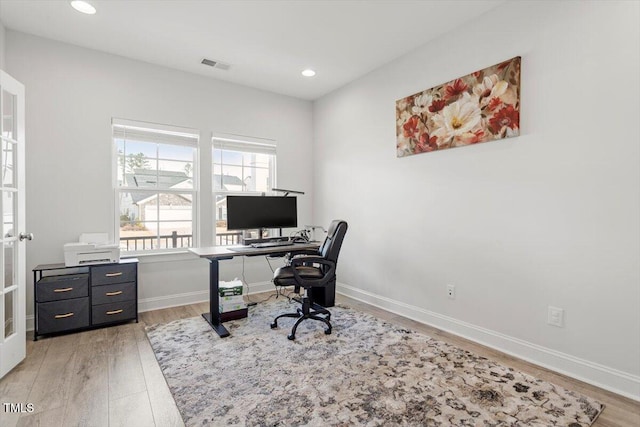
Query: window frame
<point x="157" y="134"/>
<point x="244" y="144"/>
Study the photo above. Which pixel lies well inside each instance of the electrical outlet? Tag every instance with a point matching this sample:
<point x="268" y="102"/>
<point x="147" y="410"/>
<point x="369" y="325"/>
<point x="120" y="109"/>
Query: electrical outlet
<point x="451" y="291"/>
<point x="555" y="317"/>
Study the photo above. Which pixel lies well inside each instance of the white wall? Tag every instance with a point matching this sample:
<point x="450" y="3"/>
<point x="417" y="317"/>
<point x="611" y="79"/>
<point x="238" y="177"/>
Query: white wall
<point x="71" y="95"/>
<point x="549" y="218"/>
<point x="2" y="45"/>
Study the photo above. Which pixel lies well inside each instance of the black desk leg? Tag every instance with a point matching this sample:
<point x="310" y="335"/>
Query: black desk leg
<point x="213" y="316"/>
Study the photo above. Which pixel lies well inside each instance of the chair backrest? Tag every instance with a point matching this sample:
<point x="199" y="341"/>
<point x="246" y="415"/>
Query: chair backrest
<point x="335" y="235"/>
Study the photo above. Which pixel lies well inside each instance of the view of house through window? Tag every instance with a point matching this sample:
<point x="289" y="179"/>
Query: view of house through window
<point x="241" y="166"/>
<point x="156" y="186"/>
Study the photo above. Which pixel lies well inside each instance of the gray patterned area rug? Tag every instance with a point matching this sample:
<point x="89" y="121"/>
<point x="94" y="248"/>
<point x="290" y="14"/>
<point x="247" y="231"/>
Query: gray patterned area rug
<point x="367" y="372"/>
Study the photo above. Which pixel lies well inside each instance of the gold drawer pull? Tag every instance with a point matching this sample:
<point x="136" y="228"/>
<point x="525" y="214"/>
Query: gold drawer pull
<point x="114" y="274"/>
<point x="63" y="290"/>
<point x="63" y="316"/>
<point x="110" y="294"/>
<point x="115" y="312"/>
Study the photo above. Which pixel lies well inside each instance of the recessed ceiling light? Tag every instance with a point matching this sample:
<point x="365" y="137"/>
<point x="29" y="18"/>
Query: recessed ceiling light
<point x="83" y="6"/>
<point x="308" y="72"/>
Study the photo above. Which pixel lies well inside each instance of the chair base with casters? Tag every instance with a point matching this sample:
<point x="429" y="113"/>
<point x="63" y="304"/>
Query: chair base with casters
<point x="309" y="310"/>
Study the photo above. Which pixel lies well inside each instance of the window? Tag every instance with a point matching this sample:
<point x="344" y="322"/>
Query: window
<point x="241" y="165"/>
<point x="156" y="186"/>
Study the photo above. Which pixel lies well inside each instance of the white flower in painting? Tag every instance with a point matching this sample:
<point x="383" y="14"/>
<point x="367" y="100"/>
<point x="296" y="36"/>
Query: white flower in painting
<point x="484" y="89"/>
<point x="492" y="88"/>
<point x="421" y="103"/>
<point x="498" y="89"/>
<point x="403" y="146"/>
<point x="506" y="93"/>
<point x="457" y="118"/>
<point x="402" y="118"/>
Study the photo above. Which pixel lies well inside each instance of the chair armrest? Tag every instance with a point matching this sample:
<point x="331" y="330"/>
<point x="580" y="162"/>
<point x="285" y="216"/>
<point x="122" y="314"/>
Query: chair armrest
<point x="304" y="252"/>
<point x="299" y="260"/>
<point x="328" y="276"/>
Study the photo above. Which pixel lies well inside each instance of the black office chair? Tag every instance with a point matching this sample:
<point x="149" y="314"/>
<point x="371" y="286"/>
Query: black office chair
<point x="309" y="271"/>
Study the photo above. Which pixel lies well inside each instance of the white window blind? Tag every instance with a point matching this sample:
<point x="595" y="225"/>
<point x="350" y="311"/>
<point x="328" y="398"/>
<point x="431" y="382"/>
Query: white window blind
<point x="248" y="145"/>
<point x="151" y="132"/>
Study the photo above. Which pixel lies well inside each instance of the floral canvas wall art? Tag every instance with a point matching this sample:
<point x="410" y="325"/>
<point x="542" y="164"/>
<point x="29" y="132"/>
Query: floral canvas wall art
<point x="480" y="107"/>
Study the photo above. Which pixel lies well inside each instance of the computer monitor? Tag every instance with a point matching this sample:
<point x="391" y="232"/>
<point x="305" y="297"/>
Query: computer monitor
<point x="250" y="212"/>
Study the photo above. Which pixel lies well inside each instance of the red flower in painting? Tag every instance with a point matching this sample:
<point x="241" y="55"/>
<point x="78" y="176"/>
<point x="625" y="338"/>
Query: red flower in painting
<point x="410" y="127"/>
<point x="506" y="117"/>
<point x="426" y="144"/>
<point x="494" y="103"/>
<point x="458" y="87"/>
<point x="437" y="105"/>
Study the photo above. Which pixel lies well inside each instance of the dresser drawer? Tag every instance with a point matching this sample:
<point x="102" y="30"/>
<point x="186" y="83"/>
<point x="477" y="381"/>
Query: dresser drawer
<point x="54" y="288"/>
<point x="113" y="273"/>
<point x="63" y="315"/>
<point x="113" y="293"/>
<point x="113" y="312"/>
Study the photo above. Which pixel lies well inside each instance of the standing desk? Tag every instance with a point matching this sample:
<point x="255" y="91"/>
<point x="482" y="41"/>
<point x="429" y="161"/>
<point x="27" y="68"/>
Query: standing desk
<point x="216" y="253"/>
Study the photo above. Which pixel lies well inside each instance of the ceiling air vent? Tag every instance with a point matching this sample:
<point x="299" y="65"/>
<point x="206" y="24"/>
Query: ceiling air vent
<point x="215" y="64"/>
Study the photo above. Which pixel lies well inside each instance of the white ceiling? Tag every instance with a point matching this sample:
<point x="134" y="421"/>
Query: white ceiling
<point x="266" y="42"/>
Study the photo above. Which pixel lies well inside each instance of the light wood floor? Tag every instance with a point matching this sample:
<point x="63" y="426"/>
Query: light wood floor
<point x="110" y="377"/>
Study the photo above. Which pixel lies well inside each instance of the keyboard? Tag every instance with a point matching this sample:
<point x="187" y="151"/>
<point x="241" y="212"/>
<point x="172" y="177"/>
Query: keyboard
<point x="272" y="244"/>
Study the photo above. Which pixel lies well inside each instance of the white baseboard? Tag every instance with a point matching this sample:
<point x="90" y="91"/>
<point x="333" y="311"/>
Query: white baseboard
<point x="176" y="300"/>
<point x="259" y="287"/>
<point x="611" y="379"/>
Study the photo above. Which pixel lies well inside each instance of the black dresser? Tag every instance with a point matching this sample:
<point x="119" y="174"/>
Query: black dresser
<point x="74" y="298"/>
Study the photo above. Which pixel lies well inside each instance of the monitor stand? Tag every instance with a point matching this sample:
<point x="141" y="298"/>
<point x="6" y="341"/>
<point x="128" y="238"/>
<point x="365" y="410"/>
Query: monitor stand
<point x="249" y="241"/>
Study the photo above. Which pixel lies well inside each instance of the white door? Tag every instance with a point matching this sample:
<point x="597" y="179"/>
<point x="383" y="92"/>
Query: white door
<point x="12" y="206"/>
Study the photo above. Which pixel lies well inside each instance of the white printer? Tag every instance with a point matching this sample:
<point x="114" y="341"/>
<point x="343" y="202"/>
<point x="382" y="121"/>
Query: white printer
<point x="93" y="248"/>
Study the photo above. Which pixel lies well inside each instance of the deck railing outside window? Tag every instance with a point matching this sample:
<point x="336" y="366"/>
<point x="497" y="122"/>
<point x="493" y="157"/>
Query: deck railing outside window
<point x="173" y="240"/>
